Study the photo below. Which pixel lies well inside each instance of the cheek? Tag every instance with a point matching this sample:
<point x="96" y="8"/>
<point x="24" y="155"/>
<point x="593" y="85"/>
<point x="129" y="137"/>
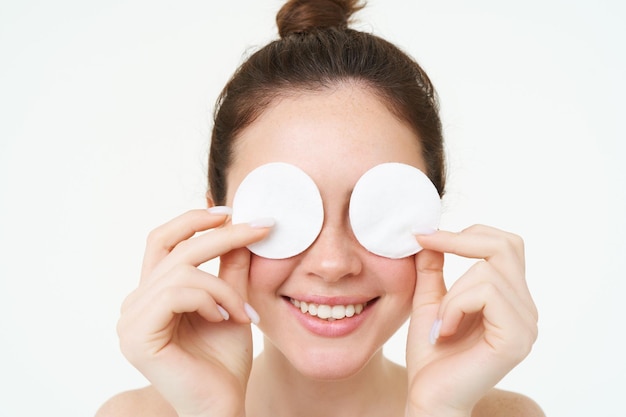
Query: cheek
<point x="266" y="275"/>
<point x="398" y="276"/>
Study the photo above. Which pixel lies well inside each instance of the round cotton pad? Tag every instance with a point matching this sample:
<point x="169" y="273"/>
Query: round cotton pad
<point x="388" y="204"/>
<point x="288" y="195"/>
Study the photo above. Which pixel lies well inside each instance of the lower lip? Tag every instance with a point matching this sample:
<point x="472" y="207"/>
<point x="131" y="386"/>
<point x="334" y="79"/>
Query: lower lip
<point x="325" y="328"/>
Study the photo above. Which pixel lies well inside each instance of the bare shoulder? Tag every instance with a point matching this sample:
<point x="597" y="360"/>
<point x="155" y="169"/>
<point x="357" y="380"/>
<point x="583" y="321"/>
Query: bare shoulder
<point x="499" y="403"/>
<point x="137" y="403"/>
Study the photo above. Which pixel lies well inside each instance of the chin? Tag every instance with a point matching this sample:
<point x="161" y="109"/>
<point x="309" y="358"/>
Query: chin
<point x="331" y="364"/>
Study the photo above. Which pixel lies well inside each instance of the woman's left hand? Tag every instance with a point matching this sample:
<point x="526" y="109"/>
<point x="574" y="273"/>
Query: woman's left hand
<point x="462" y="341"/>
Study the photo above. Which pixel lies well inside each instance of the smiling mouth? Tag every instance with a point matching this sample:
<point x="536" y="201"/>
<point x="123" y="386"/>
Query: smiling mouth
<point x="328" y="312"/>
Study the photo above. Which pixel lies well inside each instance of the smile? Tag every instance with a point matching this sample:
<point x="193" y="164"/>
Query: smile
<point x="327" y="312"/>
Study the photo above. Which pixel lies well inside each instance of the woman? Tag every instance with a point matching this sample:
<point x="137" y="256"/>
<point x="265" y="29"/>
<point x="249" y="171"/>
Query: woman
<point x="335" y="103"/>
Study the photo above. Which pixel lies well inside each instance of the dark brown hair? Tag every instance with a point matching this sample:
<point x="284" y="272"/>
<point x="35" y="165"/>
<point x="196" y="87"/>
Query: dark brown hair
<point x="318" y="50"/>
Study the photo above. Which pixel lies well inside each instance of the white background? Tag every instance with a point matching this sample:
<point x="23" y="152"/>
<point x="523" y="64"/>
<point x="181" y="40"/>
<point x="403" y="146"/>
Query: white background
<point x="104" y="123"/>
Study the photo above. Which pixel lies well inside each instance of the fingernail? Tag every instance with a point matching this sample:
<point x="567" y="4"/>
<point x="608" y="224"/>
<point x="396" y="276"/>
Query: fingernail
<point x="223" y="312"/>
<point x="221" y="210"/>
<point x="423" y="230"/>
<point x="252" y="314"/>
<point x="262" y="222"/>
<point x="434" y="331"/>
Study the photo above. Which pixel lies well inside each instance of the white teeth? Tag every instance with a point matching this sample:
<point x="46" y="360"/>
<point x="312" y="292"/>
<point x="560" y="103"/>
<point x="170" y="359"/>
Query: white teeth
<point x="338" y="312"/>
<point x="358" y="308"/>
<point x="327" y="312"/>
<point x="323" y="311"/>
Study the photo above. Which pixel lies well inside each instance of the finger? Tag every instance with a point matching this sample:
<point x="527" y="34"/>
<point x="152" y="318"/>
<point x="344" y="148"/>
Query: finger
<point x="430" y="286"/>
<point x="429" y="290"/>
<point x="165" y="237"/>
<point x="483" y="272"/>
<point x="200" y="249"/>
<point x="150" y="328"/>
<point x="478" y="242"/>
<point x="503" y="250"/>
<point x="235" y="269"/>
<point x="187" y="276"/>
<point x="504" y="331"/>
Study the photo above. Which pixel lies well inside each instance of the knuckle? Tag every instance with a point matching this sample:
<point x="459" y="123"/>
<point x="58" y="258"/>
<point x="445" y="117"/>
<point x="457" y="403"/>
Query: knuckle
<point x="183" y="246"/>
<point x="167" y="296"/>
<point x="516" y="242"/>
<point x="128" y="301"/>
<point x="180" y="271"/>
<point x="228" y="239"/>
<point x="475" y="228"/>
<point x="505" y="243"/>
<point x="534" y="312"/>
<point x="129" y="351"/>
<point x="120" y="327"/>
<point x="534" y="334"/>
<point x="511" y="244"/>
<point x="126" y="342"/>
<point x="519" y="347"/>
<point x="521" y="344"/>
<point x="483" y="268"/>
<point x="156" y="237"/>
<point x="489" y="289"/>
<point x="525" y="345"/>
<point x="519" y="351"/>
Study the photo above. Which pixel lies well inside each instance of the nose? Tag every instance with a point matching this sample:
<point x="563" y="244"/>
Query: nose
<point x="334" y="254"/>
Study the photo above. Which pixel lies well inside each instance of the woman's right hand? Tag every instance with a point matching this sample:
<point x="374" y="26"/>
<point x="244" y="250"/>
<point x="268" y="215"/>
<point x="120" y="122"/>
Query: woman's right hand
<point x="189" y="331"/>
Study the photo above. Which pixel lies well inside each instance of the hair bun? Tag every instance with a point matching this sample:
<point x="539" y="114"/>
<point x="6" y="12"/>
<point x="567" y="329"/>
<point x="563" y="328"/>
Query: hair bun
<point x="297" y="16"/>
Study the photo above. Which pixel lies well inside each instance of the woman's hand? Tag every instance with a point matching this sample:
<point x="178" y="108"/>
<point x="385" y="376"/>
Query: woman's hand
<point x="462" y="341"/>
<point x="186" y="330"/>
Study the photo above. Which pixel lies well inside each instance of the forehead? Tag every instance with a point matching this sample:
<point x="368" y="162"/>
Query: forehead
<point x="334" y="135"/>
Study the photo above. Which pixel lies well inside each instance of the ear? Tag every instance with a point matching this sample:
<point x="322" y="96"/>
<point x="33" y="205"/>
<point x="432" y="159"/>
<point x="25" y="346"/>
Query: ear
<point x="209" y="200"/>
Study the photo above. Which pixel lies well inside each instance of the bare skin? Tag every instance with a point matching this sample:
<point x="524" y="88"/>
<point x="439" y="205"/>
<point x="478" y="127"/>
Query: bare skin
<point x="147" y="402"/>
<point x="199" y="358"/>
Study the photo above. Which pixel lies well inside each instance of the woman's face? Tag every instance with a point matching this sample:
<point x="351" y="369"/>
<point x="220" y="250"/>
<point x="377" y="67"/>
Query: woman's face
<point x="335" y="136"/>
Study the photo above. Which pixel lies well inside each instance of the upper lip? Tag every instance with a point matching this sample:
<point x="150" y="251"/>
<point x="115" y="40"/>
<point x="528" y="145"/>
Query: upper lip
<point x="332" y="300"/>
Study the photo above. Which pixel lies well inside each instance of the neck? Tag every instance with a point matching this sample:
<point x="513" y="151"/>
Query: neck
<point x="277" y="389"/>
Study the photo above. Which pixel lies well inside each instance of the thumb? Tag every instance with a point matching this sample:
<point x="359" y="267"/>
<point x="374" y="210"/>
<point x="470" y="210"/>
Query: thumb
<point x="234" y="270"/>
<point x="430" y="286"/>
